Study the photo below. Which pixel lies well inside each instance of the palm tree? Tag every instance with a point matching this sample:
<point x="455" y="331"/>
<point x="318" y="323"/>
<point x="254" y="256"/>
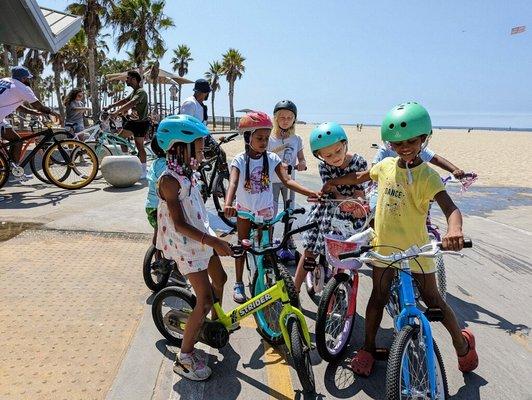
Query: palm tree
<point x="139" y="23"/>
<point x="94" y="14"/>
<point x="182" y="56"/>
<point x="58" y="65"/>
<point x="34" y="61"/>
<point x="233" y="67"/>
<point x="76" y="59"/>
<point x="213" y="76"/>
<point x="48" y="89"/>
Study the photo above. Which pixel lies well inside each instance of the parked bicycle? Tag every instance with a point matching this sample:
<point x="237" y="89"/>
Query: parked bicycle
<point x="66" y="163"/>
<point x="172" y="306"/>
<point x="262" y="273"/>
<point x="415" y="365"/>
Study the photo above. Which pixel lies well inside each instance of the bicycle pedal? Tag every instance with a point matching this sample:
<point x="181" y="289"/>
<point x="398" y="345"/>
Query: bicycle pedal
<point x="434" y="314"/>
<point x="381" y="354"/>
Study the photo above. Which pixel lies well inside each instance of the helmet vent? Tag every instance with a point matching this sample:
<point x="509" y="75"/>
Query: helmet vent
<point x="319" y="136"/>
<point x="328" y="132"/>
<point x="403" y="124"/>
<point x="391" y="126"/>
<point x="187" y="132"/>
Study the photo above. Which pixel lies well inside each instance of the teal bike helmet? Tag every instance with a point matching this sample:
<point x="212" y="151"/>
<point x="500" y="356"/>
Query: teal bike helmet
<point x="325" y="135"/>
<point x="406" y="121"/>
<point x="179" y="129"/>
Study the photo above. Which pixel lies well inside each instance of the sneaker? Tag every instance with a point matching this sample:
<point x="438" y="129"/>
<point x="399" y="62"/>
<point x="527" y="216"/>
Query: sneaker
<point x="192" y="366"/>
<point x="239" y="295"/>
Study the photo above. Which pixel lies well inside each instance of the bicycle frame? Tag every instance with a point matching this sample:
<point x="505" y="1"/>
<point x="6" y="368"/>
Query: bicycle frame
<point x="257" y="303"/>
<point x="411" y="315"/>
<point x="48" y="134"/>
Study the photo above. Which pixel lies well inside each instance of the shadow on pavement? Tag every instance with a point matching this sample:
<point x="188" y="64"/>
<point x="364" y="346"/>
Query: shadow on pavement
<point x="470" y="312"/>
<point x="137" y="186"/>
<point x="471" y="388"/>
<point x="28" y="199"/>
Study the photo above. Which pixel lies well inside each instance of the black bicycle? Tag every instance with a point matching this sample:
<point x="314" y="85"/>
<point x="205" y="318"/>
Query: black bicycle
<point x="214" y="173"/>
<point x="66" y="163"/>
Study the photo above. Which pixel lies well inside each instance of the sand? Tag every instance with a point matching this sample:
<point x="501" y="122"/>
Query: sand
<point x="499" y="158"/>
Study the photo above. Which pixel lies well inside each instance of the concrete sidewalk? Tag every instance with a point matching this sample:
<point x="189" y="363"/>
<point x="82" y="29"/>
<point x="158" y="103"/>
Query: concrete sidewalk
<point x="77" y="316"/>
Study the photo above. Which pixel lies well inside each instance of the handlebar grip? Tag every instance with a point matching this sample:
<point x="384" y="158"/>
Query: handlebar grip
<point x="300" y="210"/>
<point x="356" y="253"/>
<point x="468" y="243"/>
<point x="303" y="228"/>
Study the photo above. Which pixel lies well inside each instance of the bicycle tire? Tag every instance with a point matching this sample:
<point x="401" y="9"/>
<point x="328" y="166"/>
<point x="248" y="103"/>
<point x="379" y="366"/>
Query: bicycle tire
<point x="175" y="338"/>
<point x="323" y="319"/>
<point x="267" y="319"/>
<point x="394" y="371"/>
<point x="441" y="277"/>
<point x="162" y="270"/>
<point x="101" y="151"/>
<point x="218" y="183"/>
<point x="4" y="170"/>
<point x="39" y="174"/>
<point x="301" y="356"/>
<point x="78" y="154"/>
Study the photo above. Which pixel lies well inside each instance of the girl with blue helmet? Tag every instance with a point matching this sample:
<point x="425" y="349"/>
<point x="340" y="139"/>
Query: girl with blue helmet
<point x="328" y="142"/>
<point x="184" y="234"/>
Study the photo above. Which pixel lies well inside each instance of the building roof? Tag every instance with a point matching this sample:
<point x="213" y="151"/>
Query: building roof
<point x="24" y="23"/>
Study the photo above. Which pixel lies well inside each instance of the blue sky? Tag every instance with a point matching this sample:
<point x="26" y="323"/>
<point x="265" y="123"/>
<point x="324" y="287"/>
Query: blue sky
<point x="351" y="61"/>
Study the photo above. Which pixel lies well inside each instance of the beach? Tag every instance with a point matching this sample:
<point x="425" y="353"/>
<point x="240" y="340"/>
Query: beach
<point x="500" y="158"/>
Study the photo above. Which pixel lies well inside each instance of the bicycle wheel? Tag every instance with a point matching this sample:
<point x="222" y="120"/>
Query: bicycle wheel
<point x="170" y="310"/>
<point x="38" y="172"/>
<point x="4" y="170"/>
<point x="101" y="151"/>
<point x="70" y="164"/>
<point x="267" y="319"/>
<point x="155" y="270"/>
<point x="408" y="359"/>
<point x="335" y="318"/>
<point x="219" y="190"/>
<point x="301" y="356"/>
<point x="441" y="277"/>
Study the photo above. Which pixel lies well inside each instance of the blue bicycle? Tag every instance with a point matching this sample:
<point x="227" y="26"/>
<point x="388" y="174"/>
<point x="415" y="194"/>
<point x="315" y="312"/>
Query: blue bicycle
<point x="415" y="366"/>
<point x="262" y="272"/>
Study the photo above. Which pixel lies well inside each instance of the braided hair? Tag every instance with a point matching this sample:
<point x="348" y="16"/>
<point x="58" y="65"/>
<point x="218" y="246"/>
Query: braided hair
<point x="176" y="160"/>
<point x="265" y="176"/>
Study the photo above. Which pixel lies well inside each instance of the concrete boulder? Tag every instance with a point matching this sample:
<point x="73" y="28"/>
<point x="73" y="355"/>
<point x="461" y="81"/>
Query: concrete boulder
<point x="121" y="171"/>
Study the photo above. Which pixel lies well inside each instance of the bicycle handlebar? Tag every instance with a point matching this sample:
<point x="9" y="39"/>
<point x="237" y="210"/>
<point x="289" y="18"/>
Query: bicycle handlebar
<point x="239" y="250"/>
<point x="256" y="220"/>
<point x="428" y="250"/>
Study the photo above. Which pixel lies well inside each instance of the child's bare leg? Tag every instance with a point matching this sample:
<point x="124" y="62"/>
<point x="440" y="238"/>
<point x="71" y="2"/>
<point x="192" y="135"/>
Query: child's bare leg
<point x="243" y="227"/>
<point x="429" y="292"/>
<point x="202" y="288"/>
<point x="300" y="271"/>
<point x="218" y="278"/>
<point x="380" y="294"/>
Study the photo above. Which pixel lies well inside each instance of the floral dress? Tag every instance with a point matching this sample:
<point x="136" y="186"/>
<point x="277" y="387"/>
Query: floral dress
<point x="190" y="255"/>
<point x="324" y="213"/>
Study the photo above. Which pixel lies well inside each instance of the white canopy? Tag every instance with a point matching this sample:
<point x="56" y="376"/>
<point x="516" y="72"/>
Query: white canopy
<point x="24" y="23"/>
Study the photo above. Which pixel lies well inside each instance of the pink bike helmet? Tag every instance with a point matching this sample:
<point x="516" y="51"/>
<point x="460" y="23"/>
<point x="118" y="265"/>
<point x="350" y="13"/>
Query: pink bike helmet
<point x="254" y="120"/>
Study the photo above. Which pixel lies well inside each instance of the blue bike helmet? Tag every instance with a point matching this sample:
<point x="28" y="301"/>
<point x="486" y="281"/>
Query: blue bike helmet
<point x="179" y="129"/>
<point x="325" y="135"/>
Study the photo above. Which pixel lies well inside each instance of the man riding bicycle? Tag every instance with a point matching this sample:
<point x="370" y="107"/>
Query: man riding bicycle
<point x="139" y="125"/>
<point x="14" y="92"/>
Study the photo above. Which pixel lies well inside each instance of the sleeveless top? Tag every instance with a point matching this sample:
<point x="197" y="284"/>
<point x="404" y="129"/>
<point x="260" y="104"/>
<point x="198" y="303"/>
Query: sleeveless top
<point x="174" y="245"/>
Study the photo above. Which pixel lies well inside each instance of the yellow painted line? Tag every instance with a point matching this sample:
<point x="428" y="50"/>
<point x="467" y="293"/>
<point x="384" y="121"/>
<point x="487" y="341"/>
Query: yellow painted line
<point x="277" y="374"/>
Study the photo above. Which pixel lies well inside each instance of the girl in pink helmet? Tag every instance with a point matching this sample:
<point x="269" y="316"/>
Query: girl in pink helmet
<point x="250" y="181"/>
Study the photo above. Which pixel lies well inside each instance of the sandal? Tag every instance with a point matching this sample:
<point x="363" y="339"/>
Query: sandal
<point x="362" y="363"/>
<point x="469" y="361"/>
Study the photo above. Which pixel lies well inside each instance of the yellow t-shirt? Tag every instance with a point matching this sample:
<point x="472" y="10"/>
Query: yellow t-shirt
<point x="401" y="211"/>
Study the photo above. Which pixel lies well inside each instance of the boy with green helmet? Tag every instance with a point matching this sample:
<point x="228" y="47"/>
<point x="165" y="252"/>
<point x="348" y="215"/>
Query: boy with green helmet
<point x="406" y="187"/>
